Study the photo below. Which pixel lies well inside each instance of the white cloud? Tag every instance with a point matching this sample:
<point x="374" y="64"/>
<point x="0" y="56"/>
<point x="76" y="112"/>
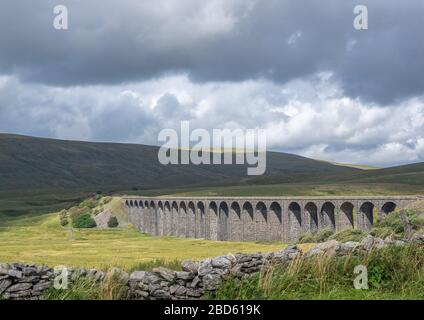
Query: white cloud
<point x="310" y="117"/>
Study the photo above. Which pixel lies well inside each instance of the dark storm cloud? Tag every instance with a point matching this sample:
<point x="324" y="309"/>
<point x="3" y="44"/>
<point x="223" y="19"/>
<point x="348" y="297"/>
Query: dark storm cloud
<point x="115" y="42"/>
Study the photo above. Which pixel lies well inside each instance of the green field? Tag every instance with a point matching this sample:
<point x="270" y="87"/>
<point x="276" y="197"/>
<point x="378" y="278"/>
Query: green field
<point x="40" y="239"/>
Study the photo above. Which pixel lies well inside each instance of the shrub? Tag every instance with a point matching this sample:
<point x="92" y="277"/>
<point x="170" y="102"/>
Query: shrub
<point x="323" y="235"/>
<point x="97" y="211"/>
<point x="64" y="221"/>
<point x="84" y="221"/>
<point x="106" y="200"/>
<point x="383" y="232"/>
<point x="98" y="196"/>
<point x="90" y="203"/>
<point x="348" y="235"/>
<point x="392" y="224"/>
<point x="63" y="217"/>
<point x="113" y="222"/>
<point x="74" y="212"/>
<point x="306" y="238"/>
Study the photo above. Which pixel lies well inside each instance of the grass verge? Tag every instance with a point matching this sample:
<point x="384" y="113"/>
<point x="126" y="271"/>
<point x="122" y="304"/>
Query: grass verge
<point x="393" y="273"/>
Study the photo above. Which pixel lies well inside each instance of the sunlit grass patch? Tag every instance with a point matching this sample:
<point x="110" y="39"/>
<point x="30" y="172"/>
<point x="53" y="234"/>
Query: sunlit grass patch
<point x="41" y="240"/>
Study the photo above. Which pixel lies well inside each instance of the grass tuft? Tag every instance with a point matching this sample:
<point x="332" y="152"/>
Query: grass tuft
<point x="111" y="288"/>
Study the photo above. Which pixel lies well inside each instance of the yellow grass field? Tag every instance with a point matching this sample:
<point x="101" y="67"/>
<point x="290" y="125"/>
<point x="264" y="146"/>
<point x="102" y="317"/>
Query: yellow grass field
<point x="41" y="240"/>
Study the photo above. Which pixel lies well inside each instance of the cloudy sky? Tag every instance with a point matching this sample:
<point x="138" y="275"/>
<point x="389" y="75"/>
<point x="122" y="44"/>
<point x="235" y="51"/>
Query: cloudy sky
<point x="126" y="69"/>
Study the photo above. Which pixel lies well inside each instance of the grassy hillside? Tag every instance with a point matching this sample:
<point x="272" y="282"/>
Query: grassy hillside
<point x="411" y="174"/>
<point x="29" y="163"/>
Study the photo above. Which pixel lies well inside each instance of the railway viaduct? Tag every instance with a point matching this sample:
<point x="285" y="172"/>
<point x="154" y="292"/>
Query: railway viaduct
<point x="256" y="218"/>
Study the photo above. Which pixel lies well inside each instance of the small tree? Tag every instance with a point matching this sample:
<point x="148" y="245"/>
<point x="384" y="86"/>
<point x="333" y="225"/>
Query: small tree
<point x="113" y="222"/>
<point x="84" y="221"/>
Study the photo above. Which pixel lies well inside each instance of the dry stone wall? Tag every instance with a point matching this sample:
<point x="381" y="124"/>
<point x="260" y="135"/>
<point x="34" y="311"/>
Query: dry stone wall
<point x="195" y="279"/>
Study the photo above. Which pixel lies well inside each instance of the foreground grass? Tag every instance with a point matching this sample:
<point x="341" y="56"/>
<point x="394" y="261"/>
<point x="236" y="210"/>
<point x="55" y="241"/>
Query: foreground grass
<point x="111" y="288"/>
<point x="393" y="273"/>
<point x="40" y="239"/>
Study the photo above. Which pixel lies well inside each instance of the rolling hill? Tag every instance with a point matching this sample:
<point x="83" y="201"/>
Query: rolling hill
<point x="44" y="175"/>
<point x="34" y="163"/>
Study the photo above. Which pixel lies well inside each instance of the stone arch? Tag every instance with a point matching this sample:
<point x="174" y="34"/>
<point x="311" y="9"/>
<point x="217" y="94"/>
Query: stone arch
<point x="147" y="217"/>
<point x="223" y="221"/>
<point x="294" y="221"/>
<point x="212" y="230"/>
<point x="200" y="220"/>
<point x="346" y="216"/>
<point x="182" y="220"/>
<point x="174" y="218"/>
<point x="235" y="223"/>
<point x="261" y="221"/>
<point x="388" y="207"/>
<point x="131" y="214"/>
<point x="191" y="220"/>
<point x="153" y="218"/>
<point x="168" y="219"/>
<point x="160" y="219"/>
<point x="139" y="219"/>
<point x="275" y="222"/>
<point x="248" y="222"/>
<point x="366" y="213"/>
<point x="328" y="216"/>
<point x="311" y="214"/>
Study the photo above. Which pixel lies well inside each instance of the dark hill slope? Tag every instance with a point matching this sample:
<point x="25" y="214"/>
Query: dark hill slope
<point x="411" y="174"/>
<point x="29" y="163"/>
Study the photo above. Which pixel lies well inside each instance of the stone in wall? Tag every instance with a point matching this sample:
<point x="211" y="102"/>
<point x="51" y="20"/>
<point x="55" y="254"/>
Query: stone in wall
<point x="24" y="281"/>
